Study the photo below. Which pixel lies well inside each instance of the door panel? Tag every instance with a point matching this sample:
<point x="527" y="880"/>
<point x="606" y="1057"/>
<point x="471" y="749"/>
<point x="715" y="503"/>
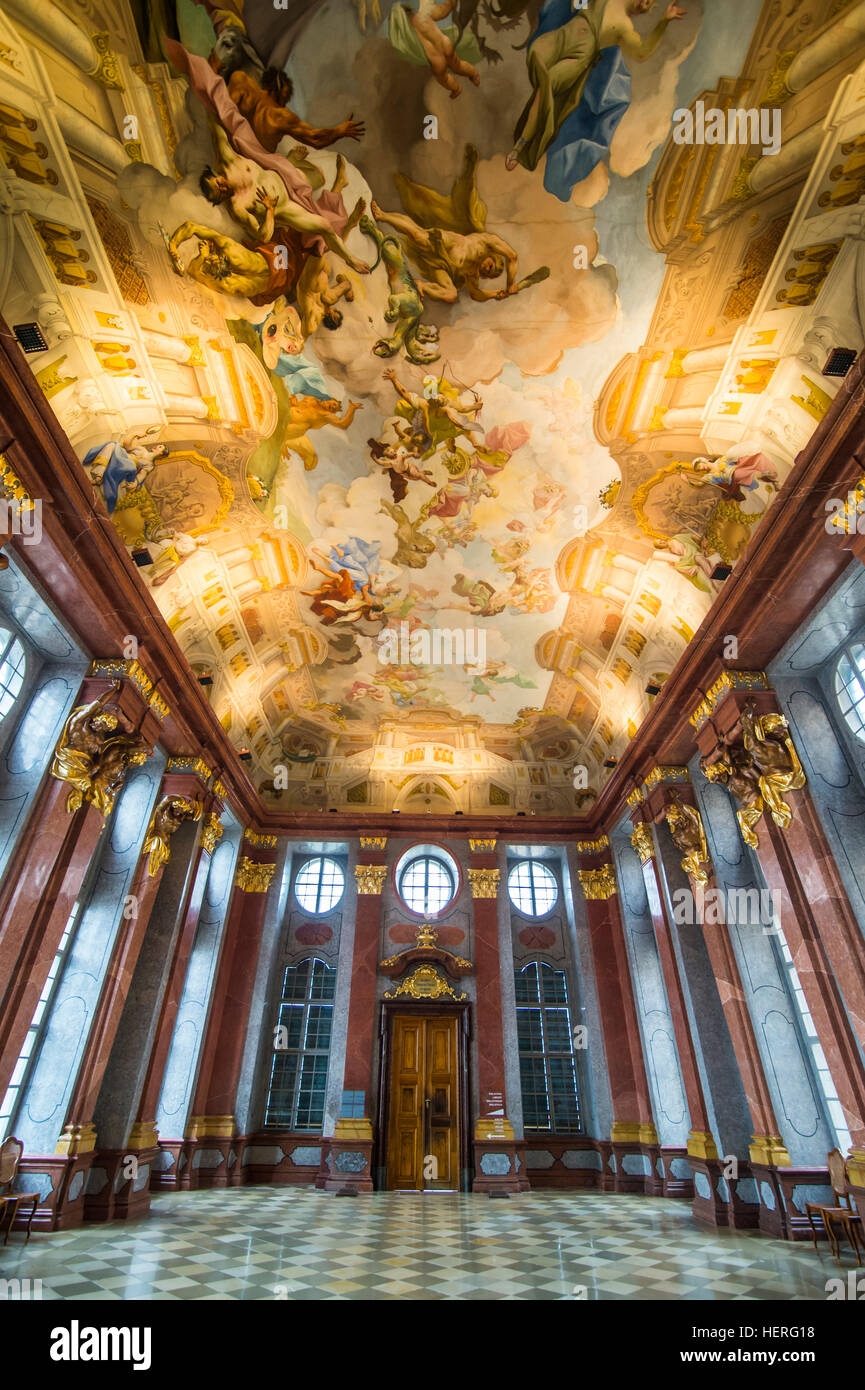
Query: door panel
<point x="424" y="1105"/>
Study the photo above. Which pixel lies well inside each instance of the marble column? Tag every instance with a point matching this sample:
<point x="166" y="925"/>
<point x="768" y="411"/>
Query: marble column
<point x="807" y="893"/>
<point x="213" y="1122"/>
<point x="347" y="1156"/>
<point x="633" y="1136"/>
<point x="144" y="1132"/>
<point x="119" y="1187"/>
<point x="497" y="1163"/>
<point x="43" y="880"/>
<point x="663" y="1071"/>
<point x="766" y="1146"/>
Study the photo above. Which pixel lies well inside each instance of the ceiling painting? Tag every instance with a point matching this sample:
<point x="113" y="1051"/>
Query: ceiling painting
<point x="433" y="386"/>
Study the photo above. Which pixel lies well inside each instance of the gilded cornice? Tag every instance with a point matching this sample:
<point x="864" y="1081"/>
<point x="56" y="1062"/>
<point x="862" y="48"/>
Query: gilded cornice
<point x="726" y="682"/>
<point x="260" y="841"/>
<point x="197" y="766"/>
<point x="135" y="673"/>
<point x="593" y="846"/>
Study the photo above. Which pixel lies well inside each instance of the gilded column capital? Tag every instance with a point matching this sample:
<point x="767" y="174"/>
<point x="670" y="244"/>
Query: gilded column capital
<point x="641" y="839"/>
<point x="484" y="883"/>
<point x="370" y="878"/>
<point x="373" y="841"/>
<point x="211" y="833"/>
<point x="598" y="884"/>
<point x="482" y="846"/>
<point x="253" y="877"/>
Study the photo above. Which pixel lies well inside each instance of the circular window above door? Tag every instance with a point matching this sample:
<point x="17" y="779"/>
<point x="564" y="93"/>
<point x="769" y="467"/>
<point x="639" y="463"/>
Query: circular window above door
<point x="427" y="880"/>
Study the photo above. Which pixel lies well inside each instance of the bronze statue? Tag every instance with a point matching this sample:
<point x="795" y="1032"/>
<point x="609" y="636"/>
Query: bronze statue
<point x="688" y="835"/>
<point x="169" y="815"/>
<point x="92" y="758"/>
<point x="757" y="770"/>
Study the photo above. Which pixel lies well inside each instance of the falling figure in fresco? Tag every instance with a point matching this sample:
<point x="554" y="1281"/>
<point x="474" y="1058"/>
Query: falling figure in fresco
<point x="265" y="192"/>
<point x="582" y="88"/>
<point x="446" y="238"/>
<point x="275" y="264"/>
<point x="416" y="36"/>
<point x="265" y="106"/>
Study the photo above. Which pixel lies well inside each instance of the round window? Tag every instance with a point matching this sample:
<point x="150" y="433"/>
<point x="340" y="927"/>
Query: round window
<point x="319" y="885"/>
<point x="532" y="887"/>
<point x="426" y="880"/>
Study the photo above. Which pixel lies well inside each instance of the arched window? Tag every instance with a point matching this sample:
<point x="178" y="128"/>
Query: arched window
<point x="13" y="663"/>
<point x="426" y="879"/>
<point x="850" y="688"/>
<point x="319" y="885"/>
<point x="301" y="1048"/>
<point x="532" y="887"/>
<point x="548" y="1073"/>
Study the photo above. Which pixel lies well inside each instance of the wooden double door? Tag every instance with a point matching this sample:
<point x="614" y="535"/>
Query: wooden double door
<point x="424" y="1112"/>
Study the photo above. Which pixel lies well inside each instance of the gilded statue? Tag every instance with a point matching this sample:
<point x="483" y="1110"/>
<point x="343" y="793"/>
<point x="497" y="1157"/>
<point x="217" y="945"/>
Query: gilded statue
<point x="688" y="835"/>
<point x="758" y="770"/>
<point x="93" y="758"/>
<point x="169" y="815"/>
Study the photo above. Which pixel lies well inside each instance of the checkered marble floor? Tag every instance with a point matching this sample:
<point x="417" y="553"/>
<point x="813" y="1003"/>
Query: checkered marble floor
<point x="295" y="1243"/>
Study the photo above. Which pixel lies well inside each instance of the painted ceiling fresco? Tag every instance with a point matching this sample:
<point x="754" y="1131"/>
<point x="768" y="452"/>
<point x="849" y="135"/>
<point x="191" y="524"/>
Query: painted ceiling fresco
<point x="432" y="386"/>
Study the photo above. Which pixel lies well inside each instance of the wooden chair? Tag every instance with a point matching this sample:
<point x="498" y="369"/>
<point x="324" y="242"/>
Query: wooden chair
<point x="843" y="1211"/>
<point x="10" y="1202"/>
